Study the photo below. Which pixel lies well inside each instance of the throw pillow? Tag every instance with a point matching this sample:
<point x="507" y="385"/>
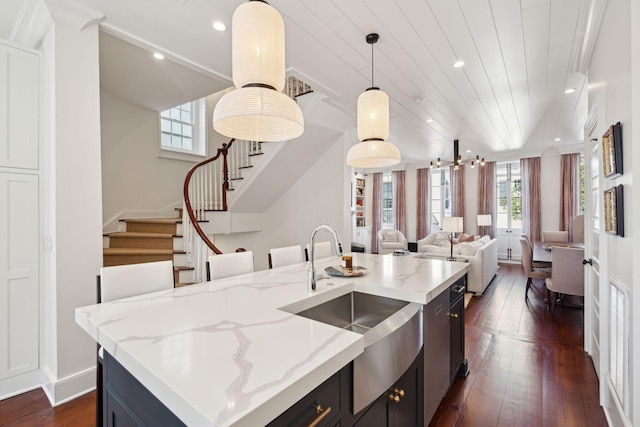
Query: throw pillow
<point x="389" y="236"/>
<point x="442" y="238"/>
<point x="465" y="238"/>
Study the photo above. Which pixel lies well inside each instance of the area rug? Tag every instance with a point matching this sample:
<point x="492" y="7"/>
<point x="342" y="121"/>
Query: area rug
<point x="467" y="299"/>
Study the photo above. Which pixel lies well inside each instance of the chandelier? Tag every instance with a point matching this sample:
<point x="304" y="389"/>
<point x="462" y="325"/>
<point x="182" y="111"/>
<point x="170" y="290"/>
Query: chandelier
<point x="457" y="159"/>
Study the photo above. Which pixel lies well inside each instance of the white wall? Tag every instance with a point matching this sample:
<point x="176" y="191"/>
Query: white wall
<point x="320" y="196"/>
<point x="611" y="83"/>
<point x="134" y="177"/>
<point x="74" y="212"/>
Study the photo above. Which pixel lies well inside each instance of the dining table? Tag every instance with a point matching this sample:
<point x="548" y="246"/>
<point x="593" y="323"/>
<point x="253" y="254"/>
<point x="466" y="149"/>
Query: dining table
<point x="542" y="250"/>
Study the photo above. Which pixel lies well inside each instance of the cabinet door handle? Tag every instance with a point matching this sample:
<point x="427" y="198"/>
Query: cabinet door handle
<point x="454" y="315"/>
<point x="322" y="414"/>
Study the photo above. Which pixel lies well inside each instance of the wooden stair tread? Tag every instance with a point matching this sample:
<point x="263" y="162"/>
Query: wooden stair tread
<point x="137" y="251"/>
<point x="181" y="268"/>
<point x="136" y="234"/>
<point x="153" y="220"/>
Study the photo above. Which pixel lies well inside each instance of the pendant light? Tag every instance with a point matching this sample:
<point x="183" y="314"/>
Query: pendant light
<point x="373" y="150"/>
<point x="257" y="110"/>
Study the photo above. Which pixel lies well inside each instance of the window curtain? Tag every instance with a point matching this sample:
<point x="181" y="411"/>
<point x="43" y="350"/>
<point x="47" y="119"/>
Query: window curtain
<point x="399" y="202"/>
<point x="376" y="211"/>
<point x="487" y="197"/>
<point x="457" y="191"/>
<point x="569" y="191"/>
<point x="531" y="212"/>
<point x="423" y="198"/>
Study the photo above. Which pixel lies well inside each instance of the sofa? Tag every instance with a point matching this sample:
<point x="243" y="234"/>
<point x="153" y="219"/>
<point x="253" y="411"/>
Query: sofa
<point x="391" y="240"/>
<point x="481" y="253"/>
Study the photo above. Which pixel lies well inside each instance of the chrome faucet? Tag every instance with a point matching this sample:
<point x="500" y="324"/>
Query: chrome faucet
<point x="312" y="270"/>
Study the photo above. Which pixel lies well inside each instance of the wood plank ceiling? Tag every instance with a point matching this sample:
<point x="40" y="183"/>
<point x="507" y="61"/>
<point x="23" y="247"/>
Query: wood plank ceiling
<point x="520" y="56"/>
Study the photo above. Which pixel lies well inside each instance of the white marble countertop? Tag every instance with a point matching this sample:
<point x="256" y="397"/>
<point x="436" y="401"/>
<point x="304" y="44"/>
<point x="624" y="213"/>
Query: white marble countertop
<point x="223" y="353"/>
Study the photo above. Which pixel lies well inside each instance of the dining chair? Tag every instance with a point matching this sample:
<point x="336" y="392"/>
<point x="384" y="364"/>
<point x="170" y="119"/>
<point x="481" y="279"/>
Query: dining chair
<point x="527" y="266"/>
<point x="230" y="264"/>
<point x="123" y="281"/>
<point x="555" y="236"/>
<point x="534" y="264"/>
<point x="288" y="255"/>
<point x="322" y="250"/>
<point x="578" y="229"/>
<point x="567" y="274"/>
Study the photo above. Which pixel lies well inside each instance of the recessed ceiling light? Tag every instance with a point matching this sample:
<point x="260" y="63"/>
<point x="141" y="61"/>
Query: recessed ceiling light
<point x="557" y="139"/>
<point x="570" y="90"/>
<point x="418" y="100"/>
<point x="468" y="151"/>
<point x="219" y="26"/>
<point x="458" y="64"/>
<point x="429" y="120"/>
<point x="158" y="55"/>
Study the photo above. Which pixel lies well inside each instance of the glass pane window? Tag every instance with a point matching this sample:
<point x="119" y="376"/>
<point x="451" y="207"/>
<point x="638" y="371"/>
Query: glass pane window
<point x="440" y="197"/>
<point x="177" y="128"/>
<point x="387" y="201"/>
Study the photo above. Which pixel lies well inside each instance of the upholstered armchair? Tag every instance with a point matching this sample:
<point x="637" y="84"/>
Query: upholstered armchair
<point x="390" y="240"/>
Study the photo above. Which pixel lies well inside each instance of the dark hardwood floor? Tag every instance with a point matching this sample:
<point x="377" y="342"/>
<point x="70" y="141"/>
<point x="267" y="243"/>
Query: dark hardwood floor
<point x="527" y="369"/>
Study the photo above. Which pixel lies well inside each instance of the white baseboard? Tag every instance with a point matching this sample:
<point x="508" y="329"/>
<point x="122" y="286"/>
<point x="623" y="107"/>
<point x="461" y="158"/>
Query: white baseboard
<point x="66" y="389"/>
<point x="19" y="384"/>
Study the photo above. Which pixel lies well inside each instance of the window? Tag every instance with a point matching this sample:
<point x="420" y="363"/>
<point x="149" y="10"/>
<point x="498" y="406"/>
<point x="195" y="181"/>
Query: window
<point x="182" y="130"/>
<point x="387" y="201"/>
<point x="440" y="197"/>
<point x="509" y="215"/>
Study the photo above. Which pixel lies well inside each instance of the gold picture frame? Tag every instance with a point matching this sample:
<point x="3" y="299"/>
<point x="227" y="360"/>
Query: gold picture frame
<point x="614" y="211"/>
<point x="612" y="151"/>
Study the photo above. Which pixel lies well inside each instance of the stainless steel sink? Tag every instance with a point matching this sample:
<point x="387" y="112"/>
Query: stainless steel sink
<point x="356" y="311"/>
<point x="392" y="332"/>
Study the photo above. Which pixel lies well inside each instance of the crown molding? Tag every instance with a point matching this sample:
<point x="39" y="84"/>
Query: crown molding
<point x="73" y="14"/>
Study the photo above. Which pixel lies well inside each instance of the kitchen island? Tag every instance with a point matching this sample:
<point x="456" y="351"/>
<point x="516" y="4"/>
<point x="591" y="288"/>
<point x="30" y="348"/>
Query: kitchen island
<point x="225" y="352"/>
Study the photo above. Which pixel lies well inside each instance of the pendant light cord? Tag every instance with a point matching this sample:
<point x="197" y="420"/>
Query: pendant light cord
<point x="372" y="65"/>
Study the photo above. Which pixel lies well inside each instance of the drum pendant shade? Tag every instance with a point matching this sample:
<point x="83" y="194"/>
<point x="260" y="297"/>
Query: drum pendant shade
<point x="373" y="115"/>
<point x="373" y="154"/>
<point x="373" y="150"/>
<point x="257" y="110"/>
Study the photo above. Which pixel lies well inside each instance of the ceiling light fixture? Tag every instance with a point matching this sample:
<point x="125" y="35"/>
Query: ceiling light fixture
<point x="557" y="139"/>
<point x="257" y="110"/>
<point x="458" y="64"/>
<point x="373" y="151"/>
<point x="219" y="26"/>
<point x="457" y="159"/>
<point x="570" y="90"/>
<point x="158" y="55"/>
<point x="429" y="120"/>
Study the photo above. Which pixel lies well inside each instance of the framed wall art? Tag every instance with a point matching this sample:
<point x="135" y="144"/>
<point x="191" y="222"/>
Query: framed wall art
<point x="612" y="151"/>
<point x="614" y="211"/>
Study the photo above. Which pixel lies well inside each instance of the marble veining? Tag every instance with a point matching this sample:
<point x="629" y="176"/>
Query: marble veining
<point x="224" y="353"/>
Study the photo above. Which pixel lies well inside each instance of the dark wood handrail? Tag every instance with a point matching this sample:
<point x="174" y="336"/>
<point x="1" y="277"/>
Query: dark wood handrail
<point x="225" y="185"/>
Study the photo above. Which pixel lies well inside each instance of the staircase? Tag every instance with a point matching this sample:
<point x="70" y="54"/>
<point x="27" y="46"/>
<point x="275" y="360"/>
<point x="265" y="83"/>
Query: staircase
<point x="162" y="239"/>
<point x="148" y="240"/>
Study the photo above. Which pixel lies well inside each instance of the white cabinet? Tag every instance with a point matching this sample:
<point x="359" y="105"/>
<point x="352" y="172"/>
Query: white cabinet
<point x="362" y="235"/>
<point x="19" y="114"/>
<point x="19" y="219"/>
<point x="19" y="300"/>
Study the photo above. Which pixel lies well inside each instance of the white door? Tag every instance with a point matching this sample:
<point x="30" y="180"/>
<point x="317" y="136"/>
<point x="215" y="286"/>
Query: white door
<point x="591" y="246"/>
<point x="509" y="210"/>
<point x="19" y="300"/>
